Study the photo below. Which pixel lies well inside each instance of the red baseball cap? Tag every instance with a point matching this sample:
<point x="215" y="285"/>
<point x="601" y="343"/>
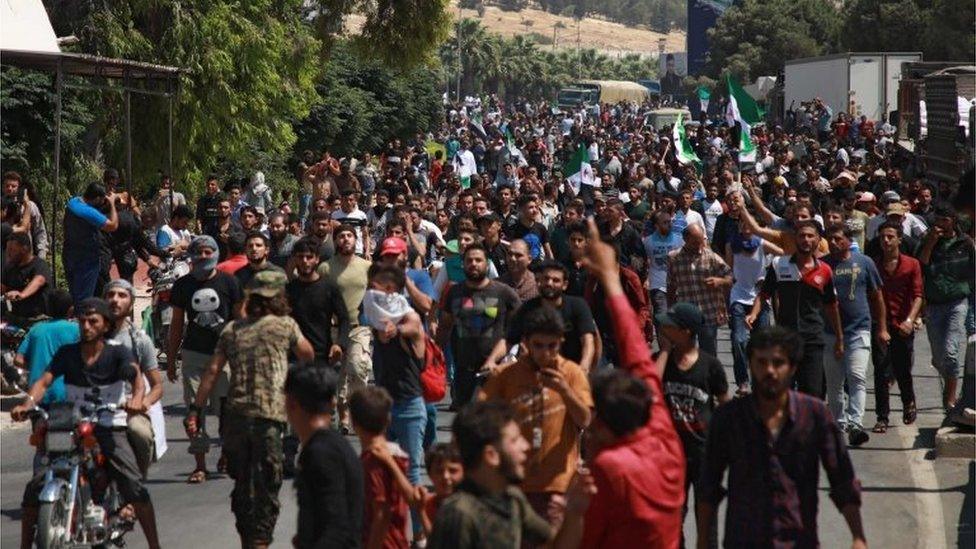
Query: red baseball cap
<point x="393" y="245"/>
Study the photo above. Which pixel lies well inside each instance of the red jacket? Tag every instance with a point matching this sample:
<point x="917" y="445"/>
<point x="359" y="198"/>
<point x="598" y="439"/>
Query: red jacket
<point x="636" y="296"/>
<point x="641" y="479"/>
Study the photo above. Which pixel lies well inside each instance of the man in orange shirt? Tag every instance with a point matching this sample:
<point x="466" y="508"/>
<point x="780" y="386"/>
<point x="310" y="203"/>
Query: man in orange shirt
<point x="552" y="402"/>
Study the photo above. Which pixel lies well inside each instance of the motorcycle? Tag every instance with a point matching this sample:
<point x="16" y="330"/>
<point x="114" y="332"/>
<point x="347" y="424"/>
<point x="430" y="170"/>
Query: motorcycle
<point x="14" y="379"/>
<point x="163" y="278"/>
<point x="79" y="504"/>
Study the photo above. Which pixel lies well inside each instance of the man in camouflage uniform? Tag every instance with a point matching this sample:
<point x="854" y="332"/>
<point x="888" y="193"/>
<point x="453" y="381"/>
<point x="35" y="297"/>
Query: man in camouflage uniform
<point x="256" y="348"/>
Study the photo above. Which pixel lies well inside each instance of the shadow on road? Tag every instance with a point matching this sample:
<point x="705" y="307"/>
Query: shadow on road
<point x="967" y="532"/>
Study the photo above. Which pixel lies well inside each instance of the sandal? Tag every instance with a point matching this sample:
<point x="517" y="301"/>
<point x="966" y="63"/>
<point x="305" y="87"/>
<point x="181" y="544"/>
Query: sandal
<point x="880" y="427"/>
<point x="197" y="476"/>
<point x="910" y="413"/>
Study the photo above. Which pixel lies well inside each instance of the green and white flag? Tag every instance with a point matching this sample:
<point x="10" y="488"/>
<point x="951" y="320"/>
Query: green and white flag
<point x="682" y="147"/>
<point x="579" y="169"/>
<point x="703" y="96"/>
<point x="744" y="110"/>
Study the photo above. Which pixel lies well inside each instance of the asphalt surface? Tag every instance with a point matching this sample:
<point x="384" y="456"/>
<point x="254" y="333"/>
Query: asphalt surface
<point x="910" y="499"/>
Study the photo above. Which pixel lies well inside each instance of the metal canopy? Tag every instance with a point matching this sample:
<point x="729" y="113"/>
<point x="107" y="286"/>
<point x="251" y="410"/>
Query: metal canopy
<point x="136" y="77"/>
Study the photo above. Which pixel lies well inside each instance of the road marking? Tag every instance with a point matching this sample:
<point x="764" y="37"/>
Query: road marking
<point x="928" y="499"/>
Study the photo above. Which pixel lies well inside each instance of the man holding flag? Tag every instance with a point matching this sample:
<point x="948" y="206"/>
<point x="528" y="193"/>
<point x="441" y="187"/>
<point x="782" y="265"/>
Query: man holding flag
<point x="580" y="176"/>
<point x="744" y="110"/>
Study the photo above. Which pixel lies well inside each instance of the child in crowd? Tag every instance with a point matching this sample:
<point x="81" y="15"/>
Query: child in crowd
<point x="385" y="516"/>
<point x="446" y="472"/>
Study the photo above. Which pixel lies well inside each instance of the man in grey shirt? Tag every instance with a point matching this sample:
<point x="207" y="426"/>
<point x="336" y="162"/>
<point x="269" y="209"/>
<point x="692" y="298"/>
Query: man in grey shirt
<point x="120" y="296"/>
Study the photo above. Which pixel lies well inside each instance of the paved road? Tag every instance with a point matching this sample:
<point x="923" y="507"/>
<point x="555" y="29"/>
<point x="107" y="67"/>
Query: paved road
<point x="910" y="499"/>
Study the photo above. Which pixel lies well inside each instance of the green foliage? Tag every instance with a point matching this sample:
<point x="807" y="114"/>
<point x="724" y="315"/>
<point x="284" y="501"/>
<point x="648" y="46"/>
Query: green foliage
<point x="882" y="25"/>
<point x="949" y="29"/>
<point x="519" y="67"/>
<point x="401" y="33"/>
<point x="364" y="104"/>
<point x="658" y="15"/>
<point x="755" y="38"/>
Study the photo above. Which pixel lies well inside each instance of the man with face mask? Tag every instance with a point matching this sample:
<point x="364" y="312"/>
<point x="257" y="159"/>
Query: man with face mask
<point x="83" y="224"/>
<point x="120" y="296"/>
<point x="205" y="300"/>
<point x="281" y="240"/>
<point x="256" y="250"/>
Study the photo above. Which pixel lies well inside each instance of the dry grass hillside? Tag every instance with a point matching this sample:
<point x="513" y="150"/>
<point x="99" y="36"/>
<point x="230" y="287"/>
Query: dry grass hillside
<point x="605" y="36"/>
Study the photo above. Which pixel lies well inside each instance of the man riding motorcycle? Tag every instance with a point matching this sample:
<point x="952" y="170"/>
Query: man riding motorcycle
<point x="94" y="363"/>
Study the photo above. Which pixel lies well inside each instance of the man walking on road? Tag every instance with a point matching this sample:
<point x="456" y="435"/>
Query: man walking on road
<point x="256" y="350"/>
<point x="859" y="298"/>
<point x="700" y="276"/>
<point x="207" y="298"/>
<point x="773" y="442"/>
<point x="347" y="271"/>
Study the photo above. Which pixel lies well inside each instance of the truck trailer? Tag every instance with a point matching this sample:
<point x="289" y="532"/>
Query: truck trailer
<point x="855" y="83"/>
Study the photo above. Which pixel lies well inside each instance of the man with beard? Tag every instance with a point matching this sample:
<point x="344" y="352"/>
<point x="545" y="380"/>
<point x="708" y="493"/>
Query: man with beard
<point x="315" y="303"/>
<point x="281" y="241"/>
<point x="208" y="206"/>
<point x="205" y="299"/>
<point x="256" y="250"/>
<point x="120" y="296"/>
<point x="347" y="272"/>
<point x="776" y="504"/>
<point x="488" y="509"/>
<point x="527" y="228"/>
<point x="579" y="334"/>
<point x="321" y="227"/>
<point x="83" y="224"/>
<point x="475" y="314"/>
<point x="804" y="288"/>
<point x="519" y="277"/>
<point x="350" y="214"/>
<point x="620" y="234"/>
<point x="223" y="227"/>
<point x="26" y="280"/>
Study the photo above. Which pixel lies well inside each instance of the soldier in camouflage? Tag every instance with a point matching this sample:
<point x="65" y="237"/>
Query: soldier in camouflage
<point x="256" y="348"/>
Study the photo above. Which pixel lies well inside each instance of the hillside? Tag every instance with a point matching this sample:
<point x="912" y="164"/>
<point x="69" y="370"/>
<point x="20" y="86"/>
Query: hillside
<point x="604" y="36"/>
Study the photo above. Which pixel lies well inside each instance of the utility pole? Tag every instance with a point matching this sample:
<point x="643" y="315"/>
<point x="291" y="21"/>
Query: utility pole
<point x="579" y="54"/>
<point x="459" y="70"/>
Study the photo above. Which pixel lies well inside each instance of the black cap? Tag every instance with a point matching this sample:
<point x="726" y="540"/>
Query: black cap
<point x="94" y="305"/>
<point x="686" y="316"/>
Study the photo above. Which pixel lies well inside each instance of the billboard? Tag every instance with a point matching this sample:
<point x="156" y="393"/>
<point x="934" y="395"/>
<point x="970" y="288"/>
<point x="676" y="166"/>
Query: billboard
<point x="702" y="15"/>
<point x="672" y="68"/>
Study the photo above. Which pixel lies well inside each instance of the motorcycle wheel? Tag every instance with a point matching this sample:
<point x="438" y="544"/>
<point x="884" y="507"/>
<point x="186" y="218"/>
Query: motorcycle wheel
<point x="53" y="523"/>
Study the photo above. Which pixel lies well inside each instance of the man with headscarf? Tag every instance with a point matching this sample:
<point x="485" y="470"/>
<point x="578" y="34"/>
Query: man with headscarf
<point x="208" y="299"/>
<point x="258" y="193"/>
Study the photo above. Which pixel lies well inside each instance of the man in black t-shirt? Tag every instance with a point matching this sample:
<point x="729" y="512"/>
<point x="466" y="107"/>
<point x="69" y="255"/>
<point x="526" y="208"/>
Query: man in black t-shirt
<point x="329" y="480"/>
<point x="25" y="279"/>
<point x="694" y="385"/>
<point x="208" y="207"/>
<point x="256" y="248"/>
<point x="316" y="303"/>
<point x="86" y="365"/>
<point x="208" y="298"/>
<point x="526" y="224"/>
<point x="579" y="340"/>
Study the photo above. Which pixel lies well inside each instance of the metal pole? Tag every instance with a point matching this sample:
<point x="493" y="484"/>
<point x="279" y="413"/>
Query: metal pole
<point x="128" y="142"/>
<point x="459" y="71"/>
<point x="169" y="162"/>
<point x="579" y="54"/>
<point x="58" y="83"/>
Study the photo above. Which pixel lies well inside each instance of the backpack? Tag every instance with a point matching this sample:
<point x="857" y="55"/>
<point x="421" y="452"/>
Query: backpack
<point x="433" y="378"/>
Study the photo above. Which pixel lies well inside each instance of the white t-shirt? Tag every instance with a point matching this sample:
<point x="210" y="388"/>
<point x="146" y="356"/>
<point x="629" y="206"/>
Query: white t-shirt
<point x="684" y="219"/>
<point x="747" y="270"/>
<point x="712" y="211"/>
<point x="657" y="247"/>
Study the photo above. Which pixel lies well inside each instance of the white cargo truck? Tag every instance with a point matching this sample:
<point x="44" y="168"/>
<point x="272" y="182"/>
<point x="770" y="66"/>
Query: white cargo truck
<point x="855" y="83"/>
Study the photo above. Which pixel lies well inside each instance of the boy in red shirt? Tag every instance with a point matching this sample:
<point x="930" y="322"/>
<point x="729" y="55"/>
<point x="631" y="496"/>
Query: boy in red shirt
<point x="385" y="516"/>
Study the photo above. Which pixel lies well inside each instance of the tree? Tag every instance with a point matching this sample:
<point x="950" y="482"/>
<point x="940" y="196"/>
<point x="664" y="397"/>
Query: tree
<point x="949" y="29"/>
<point x="756" y="37"/>
<point x="883" y="25"/>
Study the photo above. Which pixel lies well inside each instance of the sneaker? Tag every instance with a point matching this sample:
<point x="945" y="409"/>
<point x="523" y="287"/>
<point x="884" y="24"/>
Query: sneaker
<point x="857" y="436"/>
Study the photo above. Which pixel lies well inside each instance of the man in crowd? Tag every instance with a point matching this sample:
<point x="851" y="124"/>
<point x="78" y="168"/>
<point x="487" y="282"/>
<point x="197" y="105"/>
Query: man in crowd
<point x="174" y="237"/>
<point x="948" y="260"/>
<point x="901" y="287"/>
<point x="804" y="290"/>
<point x="223" y="227"/>
<point x="255" y="349"/>
<point x="774" y="442"/>
<point x="475" y="314"/>
<point x="700" y="276"/>
<point x="350" y="214"/>
<point x="552" y="402"/>
<point x="203" y="302"/>
<point x="348" y="272"/>
<point x="657" y="247"/>
<point x="26" y="280"/>
<point x="518" y="276"/>
<point x="256" y="249"/>
<point x="83" y="223"/>
<point x="316" y="304"/>
<point x="208" y="206"/>
<point x="13" y="189"/>
<point x="859" y="299"/>
<point x="527" y="224"/>
<point x="280" y="240"/>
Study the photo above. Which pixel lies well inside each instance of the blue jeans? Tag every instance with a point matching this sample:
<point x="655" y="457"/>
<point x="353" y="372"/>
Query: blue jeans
<point x="304" y="206"/>
<point x="430" y="431"/>
<point x="740" y="337"/>
<point x="852" y="369"/>
<point x="946" y="328"/>
<point x="708" y="339"/>
<point x="407" y="430"/>
<point x="82" y="274"/>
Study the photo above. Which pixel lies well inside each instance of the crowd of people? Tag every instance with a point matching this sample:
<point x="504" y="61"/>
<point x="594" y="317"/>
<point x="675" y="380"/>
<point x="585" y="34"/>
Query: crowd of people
<point x="541" y="294"/>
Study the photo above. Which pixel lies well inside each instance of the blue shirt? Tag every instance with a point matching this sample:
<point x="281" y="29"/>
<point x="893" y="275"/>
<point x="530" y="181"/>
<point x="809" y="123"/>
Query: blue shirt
<point x="82" y="225"/>
<point x="42" y="341"/>
<point x="421" y="279"/>
<point x="854" y="280"/>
